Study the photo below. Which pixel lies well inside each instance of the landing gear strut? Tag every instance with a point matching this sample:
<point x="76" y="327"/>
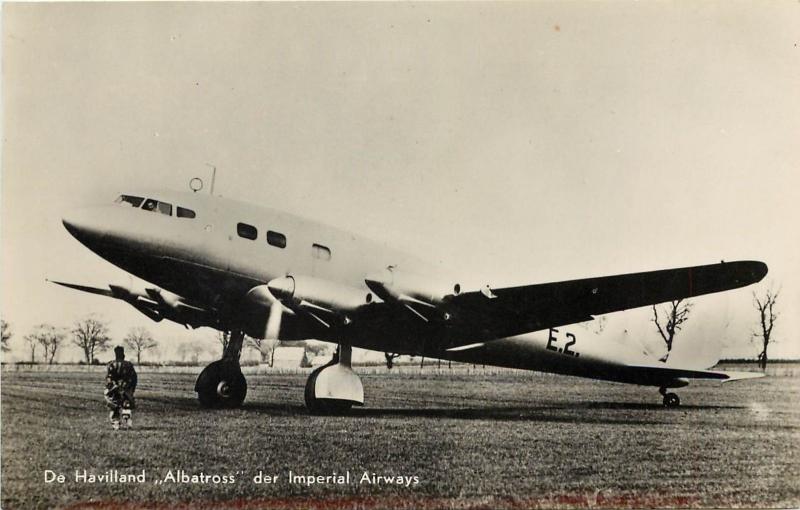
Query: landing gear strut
<point x="334" y="388"/>
<point x="670" y="399"/>
<point x="222" y="384"/>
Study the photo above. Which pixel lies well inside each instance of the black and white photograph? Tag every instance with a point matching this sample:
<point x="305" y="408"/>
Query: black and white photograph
<point x="400" y="255"/>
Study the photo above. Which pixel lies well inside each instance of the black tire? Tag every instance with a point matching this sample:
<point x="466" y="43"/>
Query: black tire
<point x="671" y="400"/>
<point x="325" y="405"/>
<point x="221" y="385"/>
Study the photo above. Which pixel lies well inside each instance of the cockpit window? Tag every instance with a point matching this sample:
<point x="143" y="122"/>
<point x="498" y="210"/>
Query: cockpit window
<point x="129" y="200"/>
<point x="185" y="213"/>
<point x="150" y="204"/>
<point x="154" y="205"/>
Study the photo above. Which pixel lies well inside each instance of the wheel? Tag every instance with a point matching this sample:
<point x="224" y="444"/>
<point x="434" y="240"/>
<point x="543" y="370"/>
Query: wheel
<point x="671" y="400"/>
<point x="326" y="405"/>
<point x="221" y="385"/>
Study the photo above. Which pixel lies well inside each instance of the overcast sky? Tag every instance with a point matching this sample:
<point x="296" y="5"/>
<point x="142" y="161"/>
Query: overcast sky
<point x="512" y="142"/>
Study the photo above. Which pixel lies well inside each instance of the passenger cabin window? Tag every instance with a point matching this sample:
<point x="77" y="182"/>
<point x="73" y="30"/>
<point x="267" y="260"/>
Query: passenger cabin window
<point x="276" y="239"/>
<point x="246" y="231"/>
<point x="154" y="205"/>
<point x="320" y="252"/>
<point x="129" y="200"/>
<point x="185" y="213"/>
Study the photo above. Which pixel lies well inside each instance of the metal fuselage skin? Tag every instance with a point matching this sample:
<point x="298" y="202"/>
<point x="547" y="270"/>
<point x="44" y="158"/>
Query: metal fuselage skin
<point x="206" y="261"/>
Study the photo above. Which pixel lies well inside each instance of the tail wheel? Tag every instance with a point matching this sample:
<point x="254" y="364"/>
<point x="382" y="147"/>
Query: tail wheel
<point x="671" y="400"/>
<point x="221" y="385"/>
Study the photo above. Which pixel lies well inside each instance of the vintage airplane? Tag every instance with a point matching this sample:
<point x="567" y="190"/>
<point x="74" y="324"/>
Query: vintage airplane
<point x="252" y="270"/>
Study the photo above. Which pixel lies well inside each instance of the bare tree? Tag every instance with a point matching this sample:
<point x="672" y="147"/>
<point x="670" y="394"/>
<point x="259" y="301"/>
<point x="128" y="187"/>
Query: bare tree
<point x="390" y="357"/>
<point x="182" y="351"/>
<point x="224" y="338"/>
<point x="675" y="315"/>
<point x="50" y="338"/>
<point x="5" y="334"/>
<point x="139" y="340"/>
<point x="32" y="342"/>
<point x="196" y="350"/>
<point x="91" y="335"/>
<point x="767" y="318"/>
<point x="266" y="348"/>
<point x="56" y="337"/>
<point x="191" y="349"/>
<point x="312" y="349"/>
<point x="599" y="324"/>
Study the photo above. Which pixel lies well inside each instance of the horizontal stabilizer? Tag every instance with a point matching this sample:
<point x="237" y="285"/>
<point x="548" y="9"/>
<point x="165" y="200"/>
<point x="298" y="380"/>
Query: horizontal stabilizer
<point x="738" y="376"/>
<point x="651" y="374"/>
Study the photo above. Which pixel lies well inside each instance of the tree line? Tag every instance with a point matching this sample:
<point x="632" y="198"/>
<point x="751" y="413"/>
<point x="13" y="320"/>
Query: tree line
<point x="670" y="319"/>
<point x="91" y="335"/>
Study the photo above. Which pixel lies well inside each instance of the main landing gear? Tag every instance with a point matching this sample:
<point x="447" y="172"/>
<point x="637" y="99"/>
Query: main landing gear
<point x="670" y="399"/>
<point x="330" y="389"/>
<point x="222" y="384"/>
<point x="334" y="388"/>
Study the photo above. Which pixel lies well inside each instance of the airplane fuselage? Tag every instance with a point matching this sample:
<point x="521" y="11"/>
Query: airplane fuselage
<point x="212" y="251"/>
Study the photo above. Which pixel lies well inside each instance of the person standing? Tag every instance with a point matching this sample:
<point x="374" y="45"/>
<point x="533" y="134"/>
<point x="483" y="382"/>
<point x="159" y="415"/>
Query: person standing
<point x="121" y="380"/>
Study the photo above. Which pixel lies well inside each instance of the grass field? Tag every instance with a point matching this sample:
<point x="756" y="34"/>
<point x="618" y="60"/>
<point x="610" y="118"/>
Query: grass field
<point x="509" y="440"/>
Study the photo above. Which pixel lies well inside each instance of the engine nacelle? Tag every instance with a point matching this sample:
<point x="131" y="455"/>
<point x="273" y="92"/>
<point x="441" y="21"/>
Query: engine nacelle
<point x="124" y="292"/>
<point x="395" y="285"/>
<point x="321" y="294"/>
<point x="160" y="296"/>
<point x="164" y="297"/>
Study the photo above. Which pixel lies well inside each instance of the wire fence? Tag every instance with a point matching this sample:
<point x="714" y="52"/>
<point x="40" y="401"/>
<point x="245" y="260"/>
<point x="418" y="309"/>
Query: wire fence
<point x="428" y="369"/>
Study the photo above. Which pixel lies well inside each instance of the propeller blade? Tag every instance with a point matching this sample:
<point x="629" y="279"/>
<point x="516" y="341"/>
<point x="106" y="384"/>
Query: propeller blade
<point x="274" y="321"/>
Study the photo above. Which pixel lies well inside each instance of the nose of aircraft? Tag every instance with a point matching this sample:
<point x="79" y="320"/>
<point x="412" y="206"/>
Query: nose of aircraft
<point x="84" y="224"/>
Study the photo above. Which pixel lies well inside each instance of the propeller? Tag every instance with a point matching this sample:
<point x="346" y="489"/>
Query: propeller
<point x="270" y="296"/>
<point x="274" y="321"/>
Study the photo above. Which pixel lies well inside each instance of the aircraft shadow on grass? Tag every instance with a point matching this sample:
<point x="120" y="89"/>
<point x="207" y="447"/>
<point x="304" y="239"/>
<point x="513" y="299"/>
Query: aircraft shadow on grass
<point x="551" y="413"/>
<point x="648" y="406"/>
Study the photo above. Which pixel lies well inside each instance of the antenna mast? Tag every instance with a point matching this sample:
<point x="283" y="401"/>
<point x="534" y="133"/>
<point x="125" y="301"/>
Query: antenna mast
<point x="213" y="177"/>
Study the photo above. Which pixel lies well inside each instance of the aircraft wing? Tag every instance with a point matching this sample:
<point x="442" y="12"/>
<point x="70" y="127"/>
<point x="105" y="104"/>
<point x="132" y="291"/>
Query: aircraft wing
<point x="515" y="310"/>
<point x="156" y="304"/>
<point x="85" y="288"/>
